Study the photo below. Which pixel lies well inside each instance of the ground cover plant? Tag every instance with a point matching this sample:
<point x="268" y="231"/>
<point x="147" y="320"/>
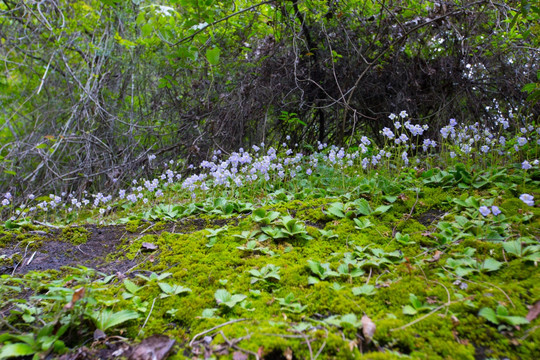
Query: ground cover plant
<point x="417" y="248"/>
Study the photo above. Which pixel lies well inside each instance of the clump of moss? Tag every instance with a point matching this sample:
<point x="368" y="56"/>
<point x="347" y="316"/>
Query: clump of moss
<point x="133" y="226"/>
<point x="75" y="234"/>
<point x="6" y="238"/>
<point x="30" y="241"/>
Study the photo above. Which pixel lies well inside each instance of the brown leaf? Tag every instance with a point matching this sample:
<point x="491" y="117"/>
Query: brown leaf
<point x="77" y="295"/>
<point x="155" y="347"/>
<point x="534" y="311"/>
<point x="432" y="300"/>
<point x="288" y="354"/>
<point x="260" y="351"/>
<point x="368" y="328"/>
<point x="435" y="257"/>
<point x="353" y="344"/>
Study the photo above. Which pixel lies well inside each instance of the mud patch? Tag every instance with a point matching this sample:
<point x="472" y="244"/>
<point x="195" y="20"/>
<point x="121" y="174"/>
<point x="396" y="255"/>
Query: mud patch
<point x="430" y="216"/>
<point x="52" y="251"/>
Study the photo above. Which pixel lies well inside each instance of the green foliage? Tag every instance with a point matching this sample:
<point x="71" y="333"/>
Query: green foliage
<point x="501" y="315"/>
<point x="225" y="299"/>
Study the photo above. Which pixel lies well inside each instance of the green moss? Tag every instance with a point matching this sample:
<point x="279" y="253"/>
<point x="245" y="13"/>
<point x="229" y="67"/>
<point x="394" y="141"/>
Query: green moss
<point x="133" y="225"/>
<point x="75" y="234"/>
<point x="6" y="238"/>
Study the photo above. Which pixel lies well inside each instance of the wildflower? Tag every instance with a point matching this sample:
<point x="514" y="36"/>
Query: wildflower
<point x="525" y="165"/>
<point x="102" y="211"/>
<point x="403" y="114"/>
<point x="452" y="154"/>
<point x="495" y="210"/>
<point x="308" y="171"/>
<point x="484" y="148"/>
<point x="5" y="202"/>
<point x="453" y="122"/>
<point x="521" y="141"/>
<point x="392" y="116"/>
<point x="388" y="133"/>
<point x="365" y="141"/>
<point x="484" y="210"/>
<point x="405" y="158"/>
<point x="527" y="199"/>
<point x="397" y="124"/>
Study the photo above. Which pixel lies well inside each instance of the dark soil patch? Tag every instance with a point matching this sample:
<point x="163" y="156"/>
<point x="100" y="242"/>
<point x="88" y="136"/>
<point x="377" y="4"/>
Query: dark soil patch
<point x="54" y="252"/>
<point x="430" y="216"/>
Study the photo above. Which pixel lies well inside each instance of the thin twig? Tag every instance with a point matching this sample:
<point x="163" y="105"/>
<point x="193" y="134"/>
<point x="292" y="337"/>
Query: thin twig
<point x="215" y="328"/>
<point x="24" y="256"/>
<point x="321" y="348"/>
<point x="145" y="321"/>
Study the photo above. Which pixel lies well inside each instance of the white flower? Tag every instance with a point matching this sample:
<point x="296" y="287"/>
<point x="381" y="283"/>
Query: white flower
<point x="403" y="114"/>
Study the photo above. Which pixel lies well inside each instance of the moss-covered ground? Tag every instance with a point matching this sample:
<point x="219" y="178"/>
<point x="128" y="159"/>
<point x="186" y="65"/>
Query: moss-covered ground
<point x="412" y="278"/>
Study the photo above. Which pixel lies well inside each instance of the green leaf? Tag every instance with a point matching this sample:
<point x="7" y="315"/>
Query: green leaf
<point x="409" y="310"/>
<point x="362" y="223"/>
<point x="362" y="207"/>
<point x="209" y="313"/>
<point x="14" y="350"/>
<point x="513" y="247"/>
<point x="382" y="209"/>
<point x="106" y="319"/>
<point x="514" y="320"/>
<point x="131" y="287"/>
<point x="336" y="210"/>
<point x="489" y="314"/>
<point x="491" y="264"/>
<point x="212" y="55"/>
<point x="172" y="289"/>
<point x="365" y="289"/>
<point x="223" y="297"/>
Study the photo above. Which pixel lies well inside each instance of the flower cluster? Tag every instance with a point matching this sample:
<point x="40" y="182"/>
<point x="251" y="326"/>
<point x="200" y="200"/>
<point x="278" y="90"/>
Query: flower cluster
<point x="261" y="165"/>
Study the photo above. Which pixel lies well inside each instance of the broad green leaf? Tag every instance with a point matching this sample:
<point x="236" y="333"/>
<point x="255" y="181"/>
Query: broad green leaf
<point x="491" y="264"/>
<point x="362" y="223"/>
<point x="382" y="209"/>
<point x="365" y="289"/>
<point x="209" y="313"/>
<point x="409" y="310"/>
<point x="336" y="210"/>
<point x="212" y="55"/>
<point x="131" y="286"/>
<point x="15" y="350"/>
<point x="513" y="247"/>
<point x="106" y="319"/>
<point x="362" y="207"/>
<point x="489" y="314"/>
<point x="514" y="320"/>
